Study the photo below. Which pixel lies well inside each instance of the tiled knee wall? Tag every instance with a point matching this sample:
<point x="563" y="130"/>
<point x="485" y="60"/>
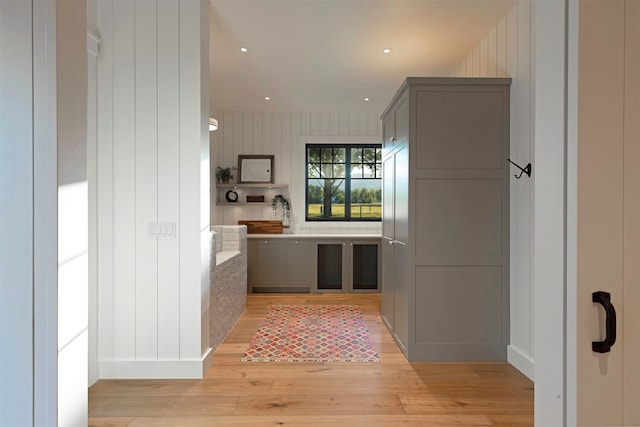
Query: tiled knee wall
<point x="228" y="282"/>
<point x="229" y="237"/>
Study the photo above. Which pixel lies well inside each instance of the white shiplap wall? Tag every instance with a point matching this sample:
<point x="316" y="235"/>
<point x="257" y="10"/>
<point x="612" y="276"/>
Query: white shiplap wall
<point x="284" y="134"/>
<point x="152" y="153"/>
<point x="506" y="51"/>
<point x="28" y="215"/>
<point x="73" y="203"/>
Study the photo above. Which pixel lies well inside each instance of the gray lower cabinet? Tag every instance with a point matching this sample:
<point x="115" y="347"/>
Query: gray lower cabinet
<point x="295" y="266"/>
<point x="388" y="284"/>
<point x="330" y="266"/>
<point x="349" y="265"/>
<point x="395" y="297"/>
<point x="278" y="265"/>
<point x="365" y="266"/>
<point x="306" y="265"/>
<point x="264" y="267"/>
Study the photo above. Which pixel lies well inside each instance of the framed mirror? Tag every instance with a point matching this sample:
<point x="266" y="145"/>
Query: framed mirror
<point x="255" y="169"/>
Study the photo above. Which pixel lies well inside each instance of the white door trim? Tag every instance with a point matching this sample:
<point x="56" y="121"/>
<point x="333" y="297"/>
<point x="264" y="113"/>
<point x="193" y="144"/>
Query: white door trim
<point x="571" y="326"/>
<point x="93" y="49"/>
<point x="550" y="95"/>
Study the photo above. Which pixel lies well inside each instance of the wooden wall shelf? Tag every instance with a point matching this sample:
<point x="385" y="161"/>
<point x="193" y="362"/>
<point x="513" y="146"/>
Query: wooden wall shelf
<point x="232" y="185"/>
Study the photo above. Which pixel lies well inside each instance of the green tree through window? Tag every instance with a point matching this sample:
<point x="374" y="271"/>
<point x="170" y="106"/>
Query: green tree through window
<point x="344" y="182"/>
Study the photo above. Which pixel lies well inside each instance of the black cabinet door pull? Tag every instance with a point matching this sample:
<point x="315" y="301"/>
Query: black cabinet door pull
<point x="604" y="298"/>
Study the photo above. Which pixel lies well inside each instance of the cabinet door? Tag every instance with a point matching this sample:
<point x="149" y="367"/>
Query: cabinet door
<point x="388" y="281"/>
<point x="330" y="266"/>
<point x="401" y="294"/>
<point x="460" y="224"/>
<point x="395" y="195"/>
<point x="297" y="271"/>
<point x="267" y="263"/>
<point x="401" y="195"/>
<point x="388" y="130"/>
<point x="364" y="265"/>
<point x="395" y="294"/>
<point x="388" y="198"/>
<point x="401" y="115"/>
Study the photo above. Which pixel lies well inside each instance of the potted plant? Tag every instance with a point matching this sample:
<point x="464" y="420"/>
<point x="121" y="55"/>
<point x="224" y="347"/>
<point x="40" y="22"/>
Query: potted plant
<point x="286" y="208"/>
<point x="224" y="174"/>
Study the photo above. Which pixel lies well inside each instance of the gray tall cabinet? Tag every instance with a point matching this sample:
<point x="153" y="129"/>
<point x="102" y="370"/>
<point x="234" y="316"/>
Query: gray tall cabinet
<point x="445" y="246"/>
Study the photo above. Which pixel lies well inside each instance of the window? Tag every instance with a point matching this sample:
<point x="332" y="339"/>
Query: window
<point x="344" y="182"/>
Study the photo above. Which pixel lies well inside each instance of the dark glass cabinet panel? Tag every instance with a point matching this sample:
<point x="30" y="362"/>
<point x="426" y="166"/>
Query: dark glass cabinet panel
<point x="330" y="266"/>
<point x="364" y="266"/>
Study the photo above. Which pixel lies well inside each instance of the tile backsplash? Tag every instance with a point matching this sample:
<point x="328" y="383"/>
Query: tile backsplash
<point x="228" y="237"/>
<point x="342" y="228"/>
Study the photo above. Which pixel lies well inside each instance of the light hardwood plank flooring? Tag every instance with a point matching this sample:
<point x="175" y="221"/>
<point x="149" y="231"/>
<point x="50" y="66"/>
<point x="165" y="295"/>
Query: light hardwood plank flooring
<point x="392" y="392"/>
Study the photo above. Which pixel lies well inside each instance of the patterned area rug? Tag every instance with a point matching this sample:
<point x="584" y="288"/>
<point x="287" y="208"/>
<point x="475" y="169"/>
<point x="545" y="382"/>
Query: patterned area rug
<point x="312" y="333"/>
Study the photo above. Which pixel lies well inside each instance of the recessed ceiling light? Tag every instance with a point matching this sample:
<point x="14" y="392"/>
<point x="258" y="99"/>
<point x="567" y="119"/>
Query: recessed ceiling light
<point x="366" y="99"/>
<point x="243" y="49"/>
<point x="386" y="50"/>
<point x="266" y="98"/>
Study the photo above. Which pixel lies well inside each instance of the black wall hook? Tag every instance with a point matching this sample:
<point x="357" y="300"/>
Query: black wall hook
<point x="527" y="169"/>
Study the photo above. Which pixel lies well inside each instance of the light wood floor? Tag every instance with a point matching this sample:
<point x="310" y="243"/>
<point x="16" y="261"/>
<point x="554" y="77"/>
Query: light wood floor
<point x="392" y="392"/>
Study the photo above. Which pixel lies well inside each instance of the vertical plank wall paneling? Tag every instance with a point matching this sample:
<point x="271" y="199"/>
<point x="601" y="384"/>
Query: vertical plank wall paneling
<point x="305" y="124"/>
<point x="247" y="132"/>
<point x="314" y="124"/>
<point x="152" y="141"/>
<point x="45" y="44"/>
<point x="146" y="182"/>
<point x="492" y="52"/>
<point x="93" y="50"/>
<point x="501" y="48"/>
<point x="124" y="197"/>
<point x="285" y="149"/>
<point x="105" y="171"/>
<point x="267" y="134"/>
<point x="192" y="123"/>
<point x="284" y="134"/>
<point x="168" y="180"/>
<point x="17" y="263"/>
<point x="73" y="214"/>
<point x="506" y="51"/>
<point x="205" y="235"/>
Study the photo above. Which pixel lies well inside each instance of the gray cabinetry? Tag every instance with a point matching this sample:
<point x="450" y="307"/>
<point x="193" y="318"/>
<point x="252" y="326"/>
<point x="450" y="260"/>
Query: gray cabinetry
<point x="395" y="125"/>
<point x="330" y="266"/>
<point x="347" y="265"/>
<point x="264" y="262"/>
<point x="445" y="267"/>
<point x="364" y="264"/>
<point x="388" y="288"/>
<point x="395" y="236"/>
<point x="395" y="298"/>
<point x="278" y="265"/>
<point x="292" y="264"/>
<point x="295" y="265"/>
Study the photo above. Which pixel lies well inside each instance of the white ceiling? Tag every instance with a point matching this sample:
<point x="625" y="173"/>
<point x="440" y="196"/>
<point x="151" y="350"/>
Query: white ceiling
<point x="323" y="55"/>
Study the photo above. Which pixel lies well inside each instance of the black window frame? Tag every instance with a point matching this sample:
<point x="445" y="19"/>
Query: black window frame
<point x="347" y="165"/>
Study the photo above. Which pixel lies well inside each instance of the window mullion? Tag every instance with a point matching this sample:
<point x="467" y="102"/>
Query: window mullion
<point x="347" y="185"/>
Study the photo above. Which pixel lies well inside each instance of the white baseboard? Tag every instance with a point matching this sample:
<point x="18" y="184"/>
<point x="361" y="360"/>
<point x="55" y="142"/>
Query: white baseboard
<point x="207" y="361"/>
<point x="156" y="369"/>
<point x="521" y="362"/>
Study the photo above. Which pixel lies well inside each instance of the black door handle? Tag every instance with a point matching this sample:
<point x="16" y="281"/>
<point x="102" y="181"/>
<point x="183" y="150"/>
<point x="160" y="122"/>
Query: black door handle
<point x="604" y="298"/>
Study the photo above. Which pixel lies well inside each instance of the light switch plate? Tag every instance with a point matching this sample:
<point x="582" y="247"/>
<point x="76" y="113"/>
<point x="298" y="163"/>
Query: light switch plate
<point x="162" y="230"/>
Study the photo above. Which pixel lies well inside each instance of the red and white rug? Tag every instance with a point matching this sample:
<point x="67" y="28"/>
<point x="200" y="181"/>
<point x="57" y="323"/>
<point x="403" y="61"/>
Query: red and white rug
<point x="312" y="333"/>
